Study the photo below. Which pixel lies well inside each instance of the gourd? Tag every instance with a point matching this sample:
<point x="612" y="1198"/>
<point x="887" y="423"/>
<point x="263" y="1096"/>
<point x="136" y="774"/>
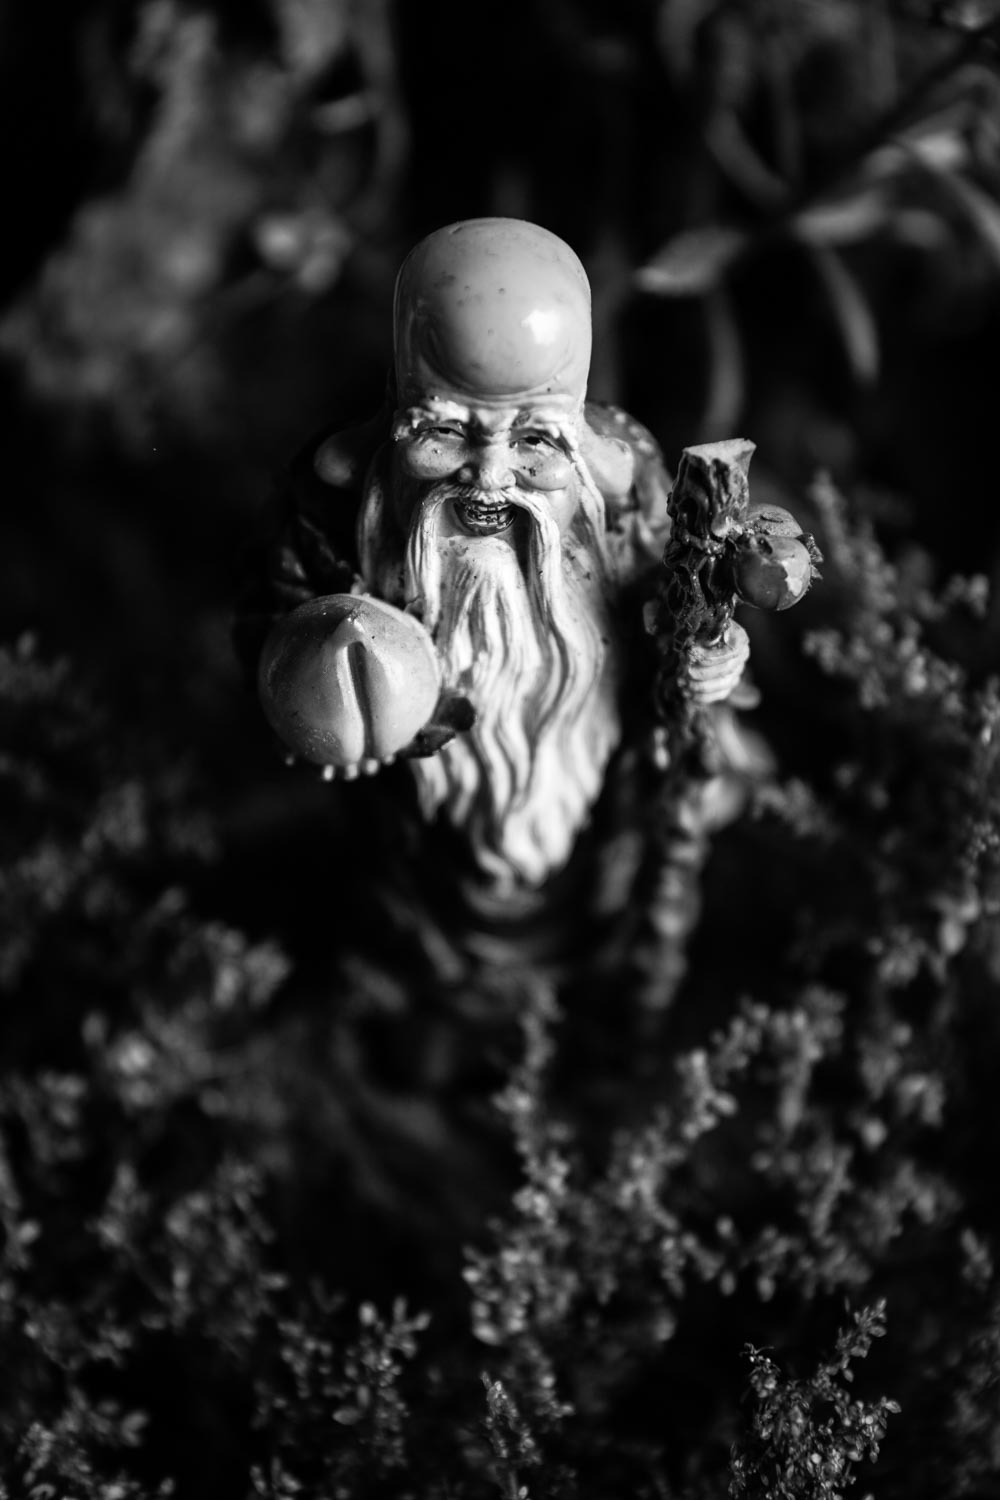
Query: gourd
<point x="773" y="565"/>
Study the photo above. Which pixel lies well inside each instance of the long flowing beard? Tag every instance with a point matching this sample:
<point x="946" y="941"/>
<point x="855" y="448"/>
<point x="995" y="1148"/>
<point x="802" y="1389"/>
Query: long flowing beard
<point x="529" y="648"/>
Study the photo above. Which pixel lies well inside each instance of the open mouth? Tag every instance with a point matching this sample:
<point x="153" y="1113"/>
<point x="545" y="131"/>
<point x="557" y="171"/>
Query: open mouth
<point x="483" y="517"/>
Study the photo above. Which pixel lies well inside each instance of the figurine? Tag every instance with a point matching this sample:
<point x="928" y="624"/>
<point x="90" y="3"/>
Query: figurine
<point x="470" y="587"/>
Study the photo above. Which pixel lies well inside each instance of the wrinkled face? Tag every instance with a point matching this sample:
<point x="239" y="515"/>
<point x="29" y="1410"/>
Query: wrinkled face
<point x="485" y="455"/>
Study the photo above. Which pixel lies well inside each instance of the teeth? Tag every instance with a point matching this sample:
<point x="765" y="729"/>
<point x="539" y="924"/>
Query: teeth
<point x="482" y="518"/>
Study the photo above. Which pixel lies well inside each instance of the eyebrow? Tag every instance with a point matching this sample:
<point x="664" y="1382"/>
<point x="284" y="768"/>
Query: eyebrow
<point x="437" y="409"/>
<point x="547" y="421"/>
<point x="481" y="420"/>
<point x="488" y="420"/>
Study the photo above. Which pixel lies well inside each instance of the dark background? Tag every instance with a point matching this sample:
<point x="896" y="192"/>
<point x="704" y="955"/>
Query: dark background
<point x="790" y="215"/>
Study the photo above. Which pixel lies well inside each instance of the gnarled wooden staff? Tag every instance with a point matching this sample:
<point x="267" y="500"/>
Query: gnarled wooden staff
<point x="722" y="551"/>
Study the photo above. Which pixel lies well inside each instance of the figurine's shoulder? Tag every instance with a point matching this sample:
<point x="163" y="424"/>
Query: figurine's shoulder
<point x="305" y="544"/>
<point x="627" y="465"/>
<point x="627" y="458"/>
<point x="341" y="458"/>
<point x="330" y="467"/>
<point x="609" y="421"/>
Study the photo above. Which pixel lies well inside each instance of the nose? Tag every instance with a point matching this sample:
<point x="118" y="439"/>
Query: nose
<point x="490" y="467"/>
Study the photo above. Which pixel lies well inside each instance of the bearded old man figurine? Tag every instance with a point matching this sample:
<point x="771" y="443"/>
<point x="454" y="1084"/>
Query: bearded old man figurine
<point x="450" y="609"/>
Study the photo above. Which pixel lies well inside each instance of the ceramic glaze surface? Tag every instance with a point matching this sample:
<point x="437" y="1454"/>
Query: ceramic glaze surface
<point x="492" y="308"/>
<point x="345" y="680"/>
<point x="504" y="531"/>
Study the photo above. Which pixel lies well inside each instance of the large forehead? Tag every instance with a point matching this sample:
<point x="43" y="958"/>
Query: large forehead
<point x="492" y="309"/>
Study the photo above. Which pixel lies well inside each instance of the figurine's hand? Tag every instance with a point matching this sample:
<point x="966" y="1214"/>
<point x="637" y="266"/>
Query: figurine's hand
<point x="453" y="714"/>
<point x="349" y="772"/>
<point x="713" y="672"/>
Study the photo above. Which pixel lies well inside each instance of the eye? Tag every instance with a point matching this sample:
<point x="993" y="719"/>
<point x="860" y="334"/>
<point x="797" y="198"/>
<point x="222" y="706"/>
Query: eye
<point x="540" y="441"/>
<point x="435" y="449"/>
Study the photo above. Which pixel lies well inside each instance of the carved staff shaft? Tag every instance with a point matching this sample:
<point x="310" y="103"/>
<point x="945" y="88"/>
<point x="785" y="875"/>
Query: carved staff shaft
<point x="708" y="506"/>
<point x="721" y="551"/>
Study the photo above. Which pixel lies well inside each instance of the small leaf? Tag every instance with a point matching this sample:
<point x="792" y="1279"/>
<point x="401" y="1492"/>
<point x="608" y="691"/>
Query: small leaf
<point x="692" y="262"/>
<point x="677" y="25"/>
<point x="347" y="1416"/>
<point x="726" y="374"/>
<point x="852" y="312"/>
<point x="843" y="221"/>
<point x="982" y="211"/>
<point x="945" y="151"/>
<point x="742" y="163"/>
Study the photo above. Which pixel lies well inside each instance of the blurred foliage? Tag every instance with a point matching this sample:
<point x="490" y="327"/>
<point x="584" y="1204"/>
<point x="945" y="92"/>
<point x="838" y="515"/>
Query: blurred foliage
<point x="251" y="172"/>
<point x="268" y="1225"/>
<point x="827" y="133"/>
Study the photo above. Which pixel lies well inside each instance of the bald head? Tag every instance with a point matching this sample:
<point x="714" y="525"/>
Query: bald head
<point x="492" y="311"/>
